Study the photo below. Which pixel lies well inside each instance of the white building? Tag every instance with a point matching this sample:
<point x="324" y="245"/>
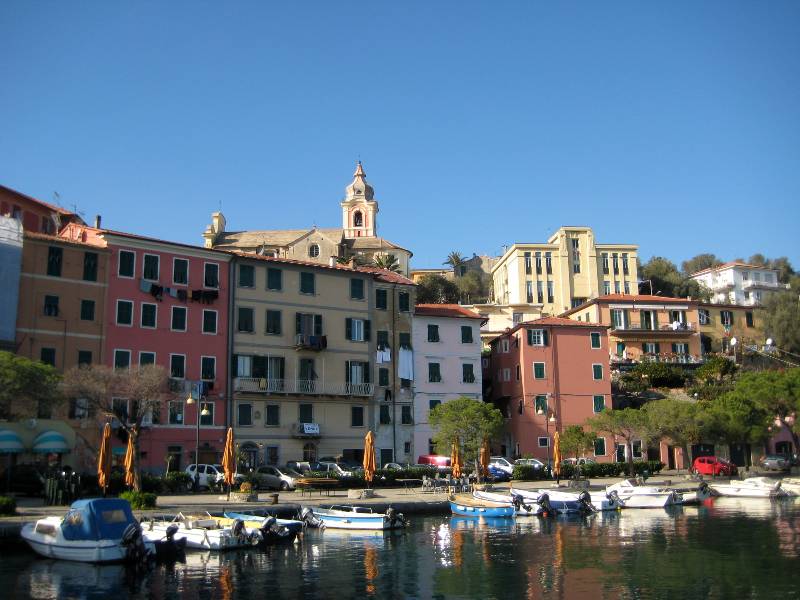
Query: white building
<point x="447" y="362"/>
<point x="739" y="283"/>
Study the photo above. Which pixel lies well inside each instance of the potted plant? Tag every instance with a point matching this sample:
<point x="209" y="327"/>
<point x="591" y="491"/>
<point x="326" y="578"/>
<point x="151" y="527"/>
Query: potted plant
<point x="245" y="493"/>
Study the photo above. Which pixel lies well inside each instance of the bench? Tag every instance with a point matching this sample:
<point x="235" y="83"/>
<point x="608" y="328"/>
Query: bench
<point x="309" y="485"/>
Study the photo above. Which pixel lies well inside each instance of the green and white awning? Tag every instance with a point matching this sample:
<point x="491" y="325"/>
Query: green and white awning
<point x="10" y="442"/>
<point x="50" y="442"/>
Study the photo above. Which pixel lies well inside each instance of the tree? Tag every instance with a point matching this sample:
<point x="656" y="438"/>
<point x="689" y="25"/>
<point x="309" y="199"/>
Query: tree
<point x="780" y="264"/>
<point x="683" y="422"/>
<point x="455" y="259"/>
<point x="668" y="281"/>
<point x="576" y="440"/>
<point x="388" y="262"/>
<point x="699" y="262"/>
<point x="466" y="419"/>
<point x="28" y="388"/>
<point x="129" y="396"/>
<point x="435" y="289"/>
<point x="472" y="287"/>
<point x="628" y="424"/>
<point x="782" y="320"/>
<point x="735" y="418"/>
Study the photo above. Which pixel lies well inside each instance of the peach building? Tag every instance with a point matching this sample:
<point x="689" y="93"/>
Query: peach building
<point x="549" y="374"/>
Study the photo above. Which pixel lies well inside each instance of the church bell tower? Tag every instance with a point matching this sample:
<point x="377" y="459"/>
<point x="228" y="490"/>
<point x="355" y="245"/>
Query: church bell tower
<point x="359" y="208"/>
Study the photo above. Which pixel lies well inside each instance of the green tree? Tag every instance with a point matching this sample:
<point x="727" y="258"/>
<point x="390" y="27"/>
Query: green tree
<point x="140" y="390"/>
<point x="735" y="418"/>
<point x="455" y="259"/>
<point x="668" y="281"/>
<point x="387" y="261"/>
<point x="699" y="262"/>
<point x="681" y="421"/>
<point x="472" y="287"/>
<point x="628" y="424"/>
<point x="782" y="320"/>
<point x="435" y="289"/>
<point x="576" y="440"/>
<point x="28" y="388"/>
<point x="467" y="419"/>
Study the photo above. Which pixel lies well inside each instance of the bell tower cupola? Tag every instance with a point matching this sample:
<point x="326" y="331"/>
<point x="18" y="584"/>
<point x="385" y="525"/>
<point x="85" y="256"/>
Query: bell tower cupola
<point x="359" y="208"/>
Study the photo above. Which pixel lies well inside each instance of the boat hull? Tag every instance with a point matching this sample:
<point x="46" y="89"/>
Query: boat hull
<point x="741" y="491"/>
<point x="99" y="552"/>
<point x="199" y="538"/>
<point x="375" y="522"/>
<point x="469" y="506"/>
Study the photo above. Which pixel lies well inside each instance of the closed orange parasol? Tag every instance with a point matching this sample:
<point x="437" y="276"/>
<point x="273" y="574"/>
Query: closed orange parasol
<point x="556" y="455"/>
<point x="369" y="456"/>
<point x="455" y="459"/>
<point x="104" y="460"/>
<point x="129" y="477"/>
<point x="229" y="458"/>
<point x="484" y="458"/>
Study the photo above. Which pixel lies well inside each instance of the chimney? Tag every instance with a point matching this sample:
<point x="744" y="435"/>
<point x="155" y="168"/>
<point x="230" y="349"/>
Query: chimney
<point x="97" y="220"/>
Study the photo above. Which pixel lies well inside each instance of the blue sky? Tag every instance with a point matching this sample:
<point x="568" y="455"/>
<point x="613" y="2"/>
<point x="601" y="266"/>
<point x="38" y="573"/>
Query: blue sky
<point x="674" y="125"/>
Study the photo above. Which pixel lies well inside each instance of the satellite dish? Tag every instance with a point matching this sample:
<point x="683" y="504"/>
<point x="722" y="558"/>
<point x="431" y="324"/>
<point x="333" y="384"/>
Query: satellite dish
<point x="770" y="342"/>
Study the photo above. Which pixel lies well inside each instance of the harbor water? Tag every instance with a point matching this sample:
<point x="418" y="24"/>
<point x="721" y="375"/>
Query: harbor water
<point x="725" y="548"/>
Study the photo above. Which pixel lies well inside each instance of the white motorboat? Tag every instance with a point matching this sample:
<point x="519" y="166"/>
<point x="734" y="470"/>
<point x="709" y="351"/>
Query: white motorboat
<point x="791" y="485"/>
<point x="752" y="487"/>
<point x="353" y="517"/>
<point x="202" y="533"/>
<point x="643" y="496"/>
<point x="100" y="530"/>
<point x="523" y="507"/>
<point x="598" y="500"/>
<point x="696" y="496"/>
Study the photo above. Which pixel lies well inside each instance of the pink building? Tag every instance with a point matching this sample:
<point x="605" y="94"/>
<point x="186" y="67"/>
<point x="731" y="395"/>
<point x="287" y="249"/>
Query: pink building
<point x="167" y="304"/>
<point x="549" y="374"/>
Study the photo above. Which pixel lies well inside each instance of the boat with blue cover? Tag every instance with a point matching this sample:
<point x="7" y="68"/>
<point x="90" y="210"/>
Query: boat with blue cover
<point x="468" y="505"/>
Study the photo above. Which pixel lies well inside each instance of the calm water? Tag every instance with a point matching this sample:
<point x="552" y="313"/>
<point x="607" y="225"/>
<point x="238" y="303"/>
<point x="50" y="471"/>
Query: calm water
<point x="726" y="549"/>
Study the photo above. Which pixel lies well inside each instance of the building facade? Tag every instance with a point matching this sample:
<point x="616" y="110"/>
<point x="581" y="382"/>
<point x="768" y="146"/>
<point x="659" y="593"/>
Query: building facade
<point x="720" y="323"/>
<point x="740" y="283"/>
<point x="645" y="328"/>
<point x="549" y="374"/>
<point x="447" y="363"/>
<point x="499" y="317"/>
<point x="10" y="270"/>
<point x="34" y="215"/>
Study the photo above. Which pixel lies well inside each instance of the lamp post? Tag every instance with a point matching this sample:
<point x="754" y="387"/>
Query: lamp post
<point x="202" y="411"/>
<point x="551" y="419"/>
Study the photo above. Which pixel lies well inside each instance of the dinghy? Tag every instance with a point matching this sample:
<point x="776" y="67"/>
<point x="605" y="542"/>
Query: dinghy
<point x="468" y="505"/>
<point x="643" y="496"/>
<point x="272" y="529"/>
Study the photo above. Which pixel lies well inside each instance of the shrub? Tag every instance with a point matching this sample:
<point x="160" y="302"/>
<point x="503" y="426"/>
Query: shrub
<point x="528" y="473"/>
<point x="8" y="505"/>
<point x="246" y="487"/>
<point x="152" y="483"/>
<point x="140" y="500"/>
<point x="177" y="481"/>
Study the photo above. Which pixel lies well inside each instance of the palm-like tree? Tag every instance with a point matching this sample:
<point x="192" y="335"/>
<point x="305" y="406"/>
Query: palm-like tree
<point x="456" y="260"/>
<point x="387" y="261"/>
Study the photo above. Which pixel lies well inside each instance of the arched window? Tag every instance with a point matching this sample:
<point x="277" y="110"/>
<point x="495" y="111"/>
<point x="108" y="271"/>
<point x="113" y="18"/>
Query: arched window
<point x="358" y="219"/>
<point x="309" y="453"/>
<point x="313" y="250"/>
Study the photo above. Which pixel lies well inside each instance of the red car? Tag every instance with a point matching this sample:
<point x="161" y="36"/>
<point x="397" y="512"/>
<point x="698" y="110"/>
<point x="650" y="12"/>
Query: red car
<point x="713" y="465"/>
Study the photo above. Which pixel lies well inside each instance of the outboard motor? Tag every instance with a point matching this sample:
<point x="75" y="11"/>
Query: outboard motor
<point x="613" y="496"/>
<point x="308" y="517"/>
<point x="547" y="508"/>
<point x="395" y="517"/>
<point x="519" y="503"/>
<point x="237" y="529"/>
<point x="134" y="543"/>
<point x="170" y="549"/>
<point x="271" y="532"/>
<point x="585" y="501"/>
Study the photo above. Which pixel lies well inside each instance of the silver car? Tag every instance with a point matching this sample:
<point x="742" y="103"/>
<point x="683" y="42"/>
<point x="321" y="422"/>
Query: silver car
<point x="274" y="478"/>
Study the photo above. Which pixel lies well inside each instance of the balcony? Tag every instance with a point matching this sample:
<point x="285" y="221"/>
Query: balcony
<point x="764" y="285"/>
<point x="668" y="329"/>
<point x="310" y="342"/>
<point x="308" y="387"/>
<point x="720" y="286"/>
<point x="305" y="430"/>
<point x="676" y="359"/>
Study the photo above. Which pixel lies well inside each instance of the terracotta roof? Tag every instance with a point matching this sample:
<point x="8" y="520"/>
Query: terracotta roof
<point x="52" y="207"/>
<point x="272" y="237"/>
<point x="290" y="261"/>
<point x="370" y="243"/>
<point x="134" y="236"/>
<point x="551" y="322"/>
<point x="445" y="310"/>
<point x="728" y="265"/>
<point x="628" y="298"/>
<point x="52" y="239"/>
<point x="386" y="275"/>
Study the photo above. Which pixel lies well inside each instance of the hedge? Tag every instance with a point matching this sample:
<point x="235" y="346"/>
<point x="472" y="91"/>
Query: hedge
<point x="613" y="469"/>
<point x="140" y="500"/>
<point x="8" y="505"/>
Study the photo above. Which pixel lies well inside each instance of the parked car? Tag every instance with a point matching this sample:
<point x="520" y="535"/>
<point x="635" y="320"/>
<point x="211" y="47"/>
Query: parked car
<point x="775" y="462"/>
<point x="393" y="466"/>
<point x="303" y="466"/>
<point x="530" y="462"/>
<point x="713" y="465"/>
<point x="501" y="463"/>
<point x="498" y="474"/>
<point x="335" y="469"/>
<point x="440" y="462"/>
<point x="210" y="476"/>
<point x="23" y="479"/>
<point x="579" y="461"/>
<point x="275" y="478"/>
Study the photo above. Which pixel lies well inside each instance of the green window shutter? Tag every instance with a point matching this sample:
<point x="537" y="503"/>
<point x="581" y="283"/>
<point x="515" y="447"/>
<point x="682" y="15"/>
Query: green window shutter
<point x="655" y="320"/>
<point x="658" y="348"/>
<point x="366" y="370"/>
<point x="317" y="324"/>
<point x="234" y="365"/>
<point x="367" y="328"/>
<point x="347" y="371"/>
<point x="545" y="337"/>
<point x="674" y="348"/>
<point x="641" y="319"/>
<point x="348" y="328"/>
<point x="644" y="346"/>
<point x="530" y="337"/>
<point x="298" y="327"/>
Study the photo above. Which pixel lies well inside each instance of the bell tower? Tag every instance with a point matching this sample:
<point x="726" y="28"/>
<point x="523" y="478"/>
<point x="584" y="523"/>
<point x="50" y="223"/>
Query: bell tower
<point x="359" y="208"/>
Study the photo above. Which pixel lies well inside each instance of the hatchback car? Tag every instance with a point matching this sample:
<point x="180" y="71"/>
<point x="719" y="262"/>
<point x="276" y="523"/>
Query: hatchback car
<point x="335" y="469"/>
<point x="713" y="465"/>
<point x="530" y="462"/>
<point x="275" y="478"/>
<point x="501" y="463"/>
<point x="209" y="476"/>
<point x="775" y="462"/>
<point x="498" y="474"/>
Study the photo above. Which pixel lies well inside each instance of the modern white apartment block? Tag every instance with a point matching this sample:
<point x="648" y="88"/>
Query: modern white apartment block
<point x="739" y="283"/>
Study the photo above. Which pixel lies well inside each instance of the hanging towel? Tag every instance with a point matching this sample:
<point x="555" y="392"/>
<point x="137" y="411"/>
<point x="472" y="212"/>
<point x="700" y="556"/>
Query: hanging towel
<point x="172" y="292"/>
<point x="144" y="286"/>
<point x="405" y="364"/>
<point x="182" y="295"/>
<point x="156" y="291"/>
<point x="383" y="355"/>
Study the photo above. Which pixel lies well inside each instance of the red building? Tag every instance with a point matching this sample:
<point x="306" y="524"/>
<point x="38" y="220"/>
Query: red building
<point x="549" y="374"/>
<point x="36" y="216"/>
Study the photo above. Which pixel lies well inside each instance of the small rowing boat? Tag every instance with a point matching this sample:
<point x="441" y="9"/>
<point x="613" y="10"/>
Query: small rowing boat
<point x="467" y="505"/>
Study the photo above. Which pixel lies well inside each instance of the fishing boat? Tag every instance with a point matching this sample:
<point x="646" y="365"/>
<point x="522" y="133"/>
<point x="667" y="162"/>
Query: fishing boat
<point x="99" y="530"/>
<point x="203" y="533"/>
<point x="272" y="529"/>
<point x="353" y="517"/>
<point x="791" y="485"/>
<point x="598" y="500"/>
<point x="752" y="487"/>
<point x="468" y="505"/>
<point x="643" y="496"/>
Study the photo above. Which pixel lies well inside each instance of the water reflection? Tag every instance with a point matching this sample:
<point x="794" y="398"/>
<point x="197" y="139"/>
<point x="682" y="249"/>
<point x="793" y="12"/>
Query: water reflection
<point x="728" y="548"/>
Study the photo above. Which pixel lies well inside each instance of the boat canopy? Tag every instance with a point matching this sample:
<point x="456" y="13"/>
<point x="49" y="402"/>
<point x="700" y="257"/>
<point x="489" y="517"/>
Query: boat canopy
<point x="97" y="519"/>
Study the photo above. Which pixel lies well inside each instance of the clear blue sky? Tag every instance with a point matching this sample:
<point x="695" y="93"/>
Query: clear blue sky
<point x="674" y="125"/>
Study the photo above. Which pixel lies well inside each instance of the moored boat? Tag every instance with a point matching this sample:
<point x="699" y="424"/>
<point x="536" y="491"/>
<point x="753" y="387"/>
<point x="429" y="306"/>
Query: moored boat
<point x="203" y="533"/>
<point x="752" y="487"/>
<point x="522" y="507"/>
<point x="99" y="530"/>
<point x="468" y="505"/>
<point x="353" y="517"/>
<point x="271" y="529"/>
<point x="696" y="496"/>
<point x="643" y="496"/>
<point x="791" y="485"/>
<point x="598" y="500"/>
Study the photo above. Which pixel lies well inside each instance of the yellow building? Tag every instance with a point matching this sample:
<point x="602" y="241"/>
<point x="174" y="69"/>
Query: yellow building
<point x="720" y="323"/>
<point x="565" y="272"/>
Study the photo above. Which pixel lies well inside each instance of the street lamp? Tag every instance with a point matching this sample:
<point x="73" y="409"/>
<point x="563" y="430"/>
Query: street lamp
<point x="551" y="419"/>
<point x="203" y="412"/>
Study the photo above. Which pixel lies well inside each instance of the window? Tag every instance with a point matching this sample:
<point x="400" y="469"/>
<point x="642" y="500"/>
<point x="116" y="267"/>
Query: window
<point x="726" y="317"/>
<point x="209" y="321"/>
<point x="605" y="263"/>
<point x="178" y="318"/>
<point x="544" y="442"/>
<point x="385" y="417"/>
<point x="87" y="310"/>
<point x="273" y="322"/>
<point x="244" y="322"/>
<point x="506" y="374"/>
<point x="520" y="407"/>
<point x="615" y="263"/>
<point x="537" y="337"/>
<point x="247" y="276"/>
<point x="650" y="347"/>
<point x="244" y="414"/>
<point x="308" y="324"/>
<point x="383" y="376"/>
<point x="467" y="373"/>
<point x="504" y="345"/>
<point x="357" y="372"/>
<point x="79" y="408"/>
<point x="625" y="270"/>
<point x="433" y="333"/>
<point x="150" y="268"/>
<point x="48" y="356"/>
<point x="404" y="339"/>
<point x="357" y="330"/>
<point x="517" y="369"/>
<point x="434" y="374"/>
<point x="550" y="292"/>
<point x="616" y="287"/>
<point x="273" y="416"/>
<point x="538" y="257"/>
<point x="599" y="403"/>
<point x="356" y="416"/>
<point x="595" y="339"/>
<point x="305" y="413"/>
<point x="680" y="348"/>
<point x="539" y="292"/>
<point x="382" y="340"/>
<point x="403" y="300"/>
<point x="176" y="412"/>
<point x="627" y="288"/>
<point x="208" y="419"/>
<point x="466" y="334"/>
<point x="177" y="366"/>
<point x="357" y="289"/>
<point x="597" y="371"/>
<point x="600" y="447"/>
<point x="84" y="357"/>
<point x="180" y="271"/>
<point x="748" y="318"/>
<point x="380" y="299"/>
<point x="606" y="287"/>
<point x="244" y="366"/>
<point x="127" y="263"/>
<point x="124" y="312"/>
<point x="548" y="263"/>
<point x="90" y="266"/>
<point x="540" y="405"/>
<point x="529" y="292"/>
<point x="51" y="306"/>
<point x="211" y="275"/>
<point x="122" y="359"/>
<point x="538" y="370"/>
<point x="313" y="250"/>
<point x="147" y="358"/>
<point x="274" y="279"/>
<point x="55" y="257"/>
<point x="527" y="256"/>
<point x="149" y="315"/>
<point x="636" y="447"/>
<point x="618" y="318"/>
<point x="208" y="368"/>
<point x="516" y="318"/>
<point x="432" y="404"/>
<point x="358" y="219"/>
<point x="306" y="283"/>
<point x="405" y="415"/>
